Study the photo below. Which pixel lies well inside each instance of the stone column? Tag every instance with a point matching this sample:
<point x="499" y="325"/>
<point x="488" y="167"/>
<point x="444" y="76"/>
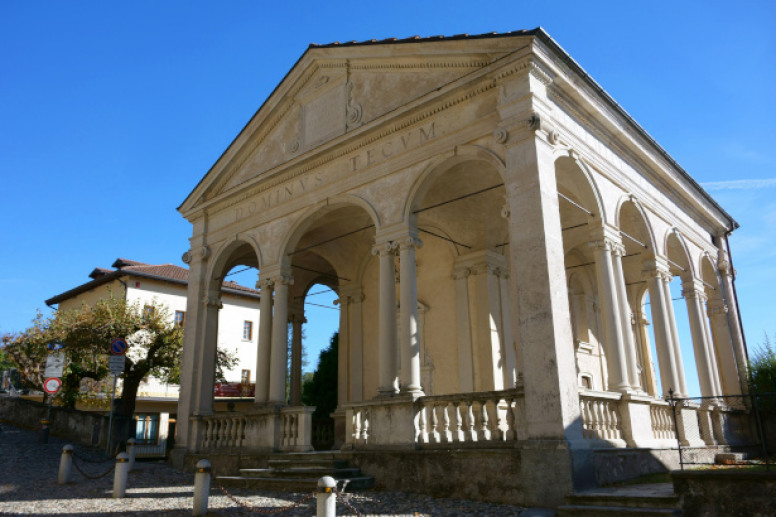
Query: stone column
<point x="408" y="300"/>
<point x="655" y="274"/>
<point x="676" y="347"/>
<point x="464" y="330"/>
<point x="265" y="342"/>
<point x="297" y="320"/>
<point x="510" y="355"/>
<point x="343" y="352"/>
<point x="388" y="383"/>
<point x="736" y="332"/>
<point x="629" y="344"/>
<point x="693" y="295"/>
<point x="608" y="300"/>
<point x="203" y="394"/>
<point x="717" y="311"/>
<point x="356" y="346"/>
<point x="279" y="352"/>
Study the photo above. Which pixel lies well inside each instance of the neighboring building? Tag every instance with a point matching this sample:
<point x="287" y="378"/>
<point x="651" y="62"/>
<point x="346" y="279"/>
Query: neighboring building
<point x="548" y="217"/>
<point x="166" y="284"/>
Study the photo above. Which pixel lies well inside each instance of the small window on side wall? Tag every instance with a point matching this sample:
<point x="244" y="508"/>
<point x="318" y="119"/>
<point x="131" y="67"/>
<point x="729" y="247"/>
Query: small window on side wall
<point x="180" y="318"/>
<point x="247" y="330"/>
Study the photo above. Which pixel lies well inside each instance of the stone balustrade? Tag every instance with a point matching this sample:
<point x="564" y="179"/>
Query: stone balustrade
<point x="463" y="419"/>
<point x="662" y="420"/>
<point x="269" y="429"/>
<point x="600" y="414"/>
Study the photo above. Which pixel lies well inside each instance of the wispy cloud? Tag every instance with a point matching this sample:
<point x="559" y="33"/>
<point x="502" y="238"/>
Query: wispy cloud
<point x="740" y="152"/>
<point x="740" y="184"/>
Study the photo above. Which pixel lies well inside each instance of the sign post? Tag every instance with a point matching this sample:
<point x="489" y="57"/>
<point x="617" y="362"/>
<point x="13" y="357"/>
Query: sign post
<point x="55" y="367"/>
<point x="118" y="347"/>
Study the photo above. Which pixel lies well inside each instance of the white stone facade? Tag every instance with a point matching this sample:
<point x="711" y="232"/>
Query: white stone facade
<point x="492" y="222"/>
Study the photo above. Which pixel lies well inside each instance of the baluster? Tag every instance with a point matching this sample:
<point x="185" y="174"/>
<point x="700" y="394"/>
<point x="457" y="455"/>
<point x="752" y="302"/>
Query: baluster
<point x="460" y="434"/>
<point x="511" y="420"/>
<point x="435" y="435"/>
<point x="240" y="431"/>
<point x="356" y="425"/>
<point x="615" y="421"/>
<point x="499" y="431"/>
<point x="600" y="421"/>
<point x="607" y="421"/>
<point x="365" y="427"/>
<point x="228" y="432"/>
<point x="423" y="421"/>
<point x="484" y="431"/>
<point x="206" y="434"/>
<point x="447" y="436"/>
<point x="584" y="412"/>
<point x="470" y="422"/>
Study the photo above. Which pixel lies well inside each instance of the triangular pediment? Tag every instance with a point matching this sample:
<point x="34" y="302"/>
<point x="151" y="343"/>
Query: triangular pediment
<point x="335" y="89"/>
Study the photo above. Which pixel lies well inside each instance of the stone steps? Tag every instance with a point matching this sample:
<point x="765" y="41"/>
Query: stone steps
<point x="299" y="472"/>
<point x="644" y="501"/>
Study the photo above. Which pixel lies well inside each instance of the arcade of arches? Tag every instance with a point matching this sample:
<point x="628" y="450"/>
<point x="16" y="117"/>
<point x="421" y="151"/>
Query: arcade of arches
<point x="503" y="275"/>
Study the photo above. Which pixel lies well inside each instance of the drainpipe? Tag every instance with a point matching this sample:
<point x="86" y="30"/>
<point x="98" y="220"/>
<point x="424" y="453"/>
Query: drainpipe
<point x="735" y="294"/>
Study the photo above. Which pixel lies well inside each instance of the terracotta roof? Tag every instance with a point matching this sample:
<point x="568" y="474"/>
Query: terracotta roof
<point x="131" y="268"/>
<point x="423" y="39"/>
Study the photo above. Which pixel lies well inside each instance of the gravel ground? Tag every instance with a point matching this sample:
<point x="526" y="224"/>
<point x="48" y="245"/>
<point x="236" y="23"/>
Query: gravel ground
<point x="28" y="485"/>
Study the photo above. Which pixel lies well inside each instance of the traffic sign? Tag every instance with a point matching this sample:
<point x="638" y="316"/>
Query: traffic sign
<point x="55" y="364"/>
<point x="52" y="385"/>
<point x="118" y="346"/>
<point x="116" y="364"/>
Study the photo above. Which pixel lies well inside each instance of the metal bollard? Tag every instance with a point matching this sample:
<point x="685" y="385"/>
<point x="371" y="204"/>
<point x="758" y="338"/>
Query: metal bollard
<point x="201" y="487"/>
<point x="65" y="464"/>
<point x="120" y="476"/>
<point x="131" y="453"/>
<point x="44" y="431"/>
<point x="327" y="497"/>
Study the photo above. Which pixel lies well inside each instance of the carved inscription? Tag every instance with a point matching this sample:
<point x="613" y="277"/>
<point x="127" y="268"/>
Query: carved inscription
<point x="381" y="152"/>
<point x="279" y="195"/>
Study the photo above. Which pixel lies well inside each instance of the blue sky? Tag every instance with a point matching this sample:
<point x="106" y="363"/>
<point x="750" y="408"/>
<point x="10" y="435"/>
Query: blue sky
<point x="110" y="113"/>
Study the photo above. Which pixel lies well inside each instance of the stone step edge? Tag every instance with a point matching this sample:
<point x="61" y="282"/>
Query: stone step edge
<point x="658" y="501"/>
<point x="570" y="510"/>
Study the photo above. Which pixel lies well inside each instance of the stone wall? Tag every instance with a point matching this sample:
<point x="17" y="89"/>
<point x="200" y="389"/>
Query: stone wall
<point x="726" y="492"/>
<point x="84" y="427"/>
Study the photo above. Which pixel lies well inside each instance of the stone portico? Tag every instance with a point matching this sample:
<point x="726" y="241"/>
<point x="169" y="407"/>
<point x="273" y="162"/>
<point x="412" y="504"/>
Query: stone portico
<point x="494" y="224"/>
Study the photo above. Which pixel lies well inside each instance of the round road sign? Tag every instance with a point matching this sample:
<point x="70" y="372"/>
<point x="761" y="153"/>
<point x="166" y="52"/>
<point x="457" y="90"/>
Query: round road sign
<point x="118" y="346"/>
<point x="52" y="385"/>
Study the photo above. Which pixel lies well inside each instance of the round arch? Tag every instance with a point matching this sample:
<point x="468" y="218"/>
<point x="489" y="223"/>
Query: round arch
<point x="240" y="250"/>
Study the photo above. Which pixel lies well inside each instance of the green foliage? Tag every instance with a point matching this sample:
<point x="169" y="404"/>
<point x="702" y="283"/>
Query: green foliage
<point x="762" y="375"/>
<point x="321" y="390"/>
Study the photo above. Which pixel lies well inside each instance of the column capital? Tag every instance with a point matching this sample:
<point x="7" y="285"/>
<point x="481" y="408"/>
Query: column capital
<point x="265" y="283"/>
<point x="213" y="301"/>
<point x="716" y="306"/>
<point x="607" y="238"/>
<point x="656" y="268"/>
<point x="409" y="242"/>
<point x="693" y="288"/>
<point x="723" y="264"/>
<point x="385" y="248"/>
<point x="461" y="272"/>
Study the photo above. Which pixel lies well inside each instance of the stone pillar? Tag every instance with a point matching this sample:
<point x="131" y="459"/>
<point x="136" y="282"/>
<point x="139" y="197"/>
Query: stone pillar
<point x="193" y="344"/>
<point x="625" y="319"/>
<point x="656" y="274"/>
<point x="616" y="360"/>
<point x="408" y="300"/>
<point x="261" y="395"/>
<point x="464" y="330"/>
<point x="343" y="352"/>
<point x="279" y="352"/>
<point x="692" y="292"/>
<point x="297" y="320"/>
<point x="538" y="278"/>
<point x="388" y="383"/>
<point x="488" y="356"/>
<point x="736" y="332"/>
<point x="203" y="394"/>
<point x="642" y="340"/>
<point x="676" y="347"/>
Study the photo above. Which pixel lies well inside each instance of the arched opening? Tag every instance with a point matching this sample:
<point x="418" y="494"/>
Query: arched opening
<point x="680" y="269"/>
<point x="326" y="255"/>
<point x="466" y="342"/>
<point x="232" y="326"/>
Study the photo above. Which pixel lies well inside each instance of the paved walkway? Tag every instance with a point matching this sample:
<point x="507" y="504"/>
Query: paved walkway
<point x="28" y="485"/>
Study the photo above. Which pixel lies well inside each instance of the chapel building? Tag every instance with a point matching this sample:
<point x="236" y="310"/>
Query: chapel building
<point x="501" y="235"/>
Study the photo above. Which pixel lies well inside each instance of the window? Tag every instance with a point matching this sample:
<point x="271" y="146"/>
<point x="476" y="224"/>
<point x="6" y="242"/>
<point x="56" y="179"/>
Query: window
<point x="180" y="318"/>
<point x="245" y="377"/>
<point x="148" y="311"/>
<point x="247" y="330"/>
<point x="146" y="428"/>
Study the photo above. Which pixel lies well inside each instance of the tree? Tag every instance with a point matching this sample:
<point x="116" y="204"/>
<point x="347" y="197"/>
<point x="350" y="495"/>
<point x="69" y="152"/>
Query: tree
<point x="154" y="347"/>
<point x="321" y="390"/>
<point x="762" y="374"/>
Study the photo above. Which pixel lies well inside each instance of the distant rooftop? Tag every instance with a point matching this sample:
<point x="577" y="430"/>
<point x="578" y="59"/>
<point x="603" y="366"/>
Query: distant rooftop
<point x="132" y="268"/>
